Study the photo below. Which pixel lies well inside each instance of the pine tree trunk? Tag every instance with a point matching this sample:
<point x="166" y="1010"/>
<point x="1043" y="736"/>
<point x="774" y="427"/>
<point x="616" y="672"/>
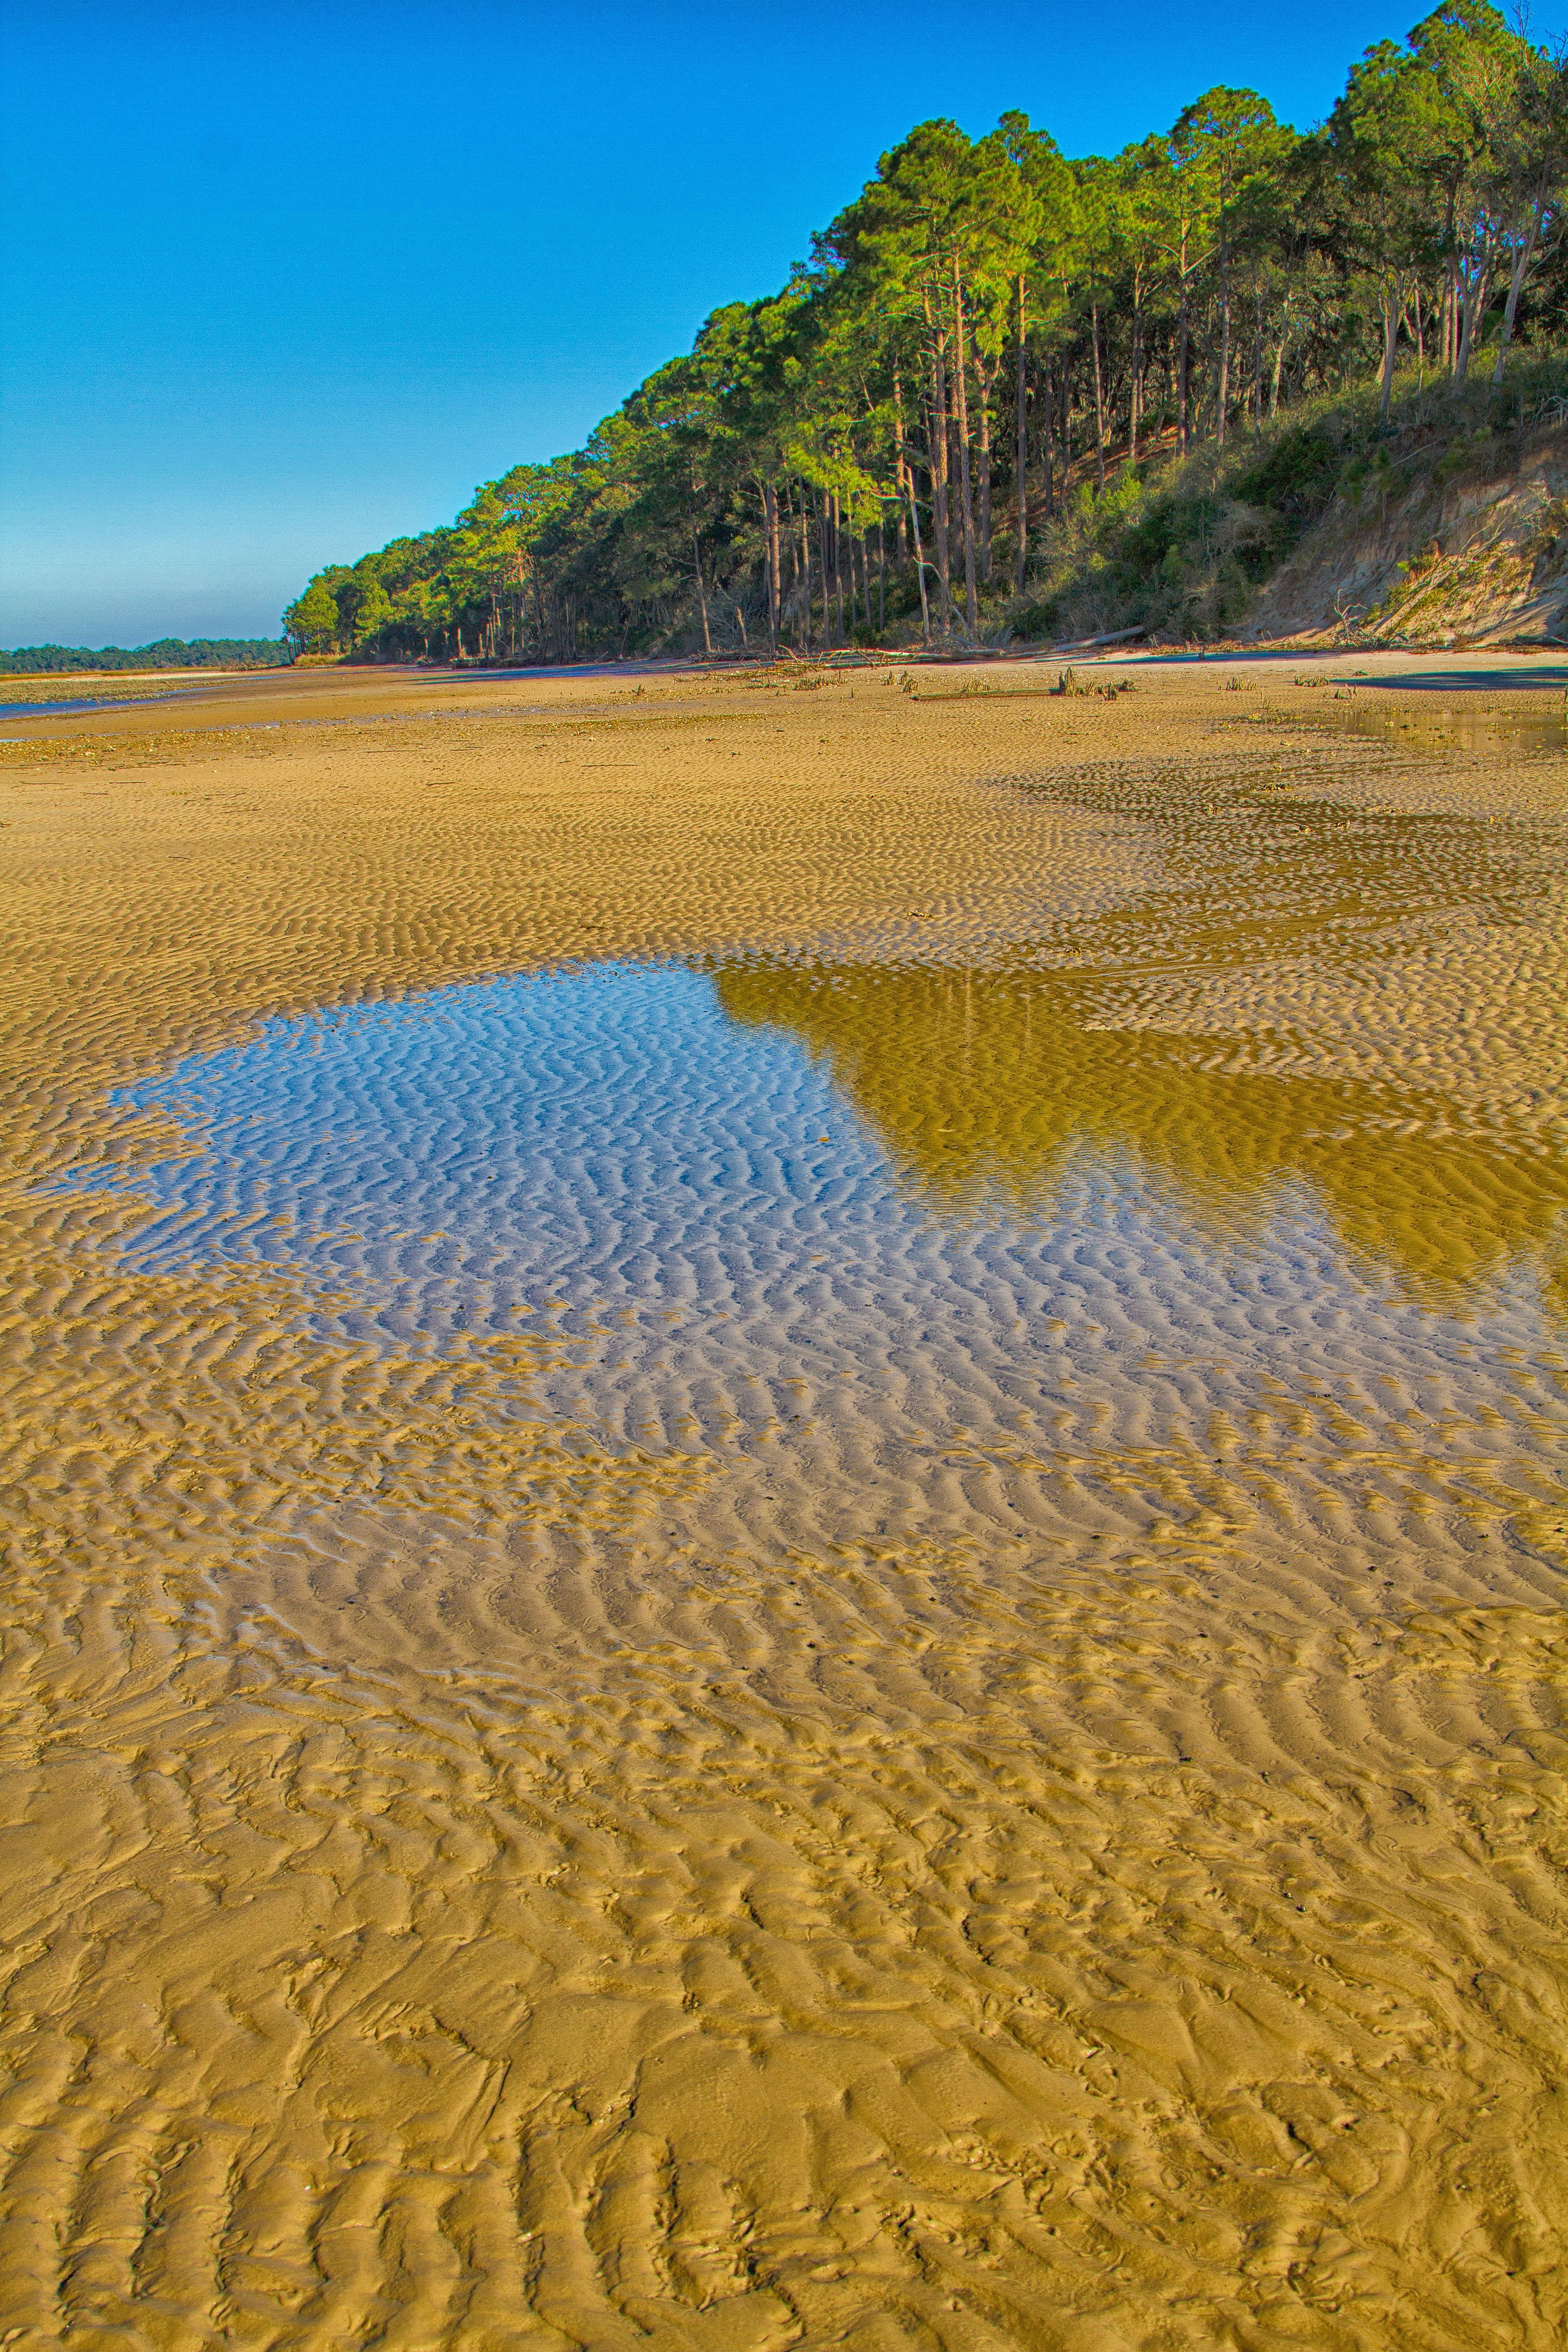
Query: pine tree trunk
<point x="1222" y="383"/>
<point x="936" y="452"/>
<point x="838" y="565"/>
<point x="919" y="555"/>
<point x="1099" y="398"/>
<point x="701" y="593"/>
<point x="985" y="382"/>
<point x="836" y="550"/>
<point x="1048" y="413"/>
<point x="796" y="543"/>
<point x="1182" y="343"/>
<point x="1021" y="443"/>
<point x="786" y="617"/>
<point x="967" y="503"/>
<point x="1475" y="311"/>
<point x="1135" y="390"/>
<point x="1522" y="262"/>
<point x="777" y="614"/>
<point x="771" y="517"/>
<point x="901" y="467"/>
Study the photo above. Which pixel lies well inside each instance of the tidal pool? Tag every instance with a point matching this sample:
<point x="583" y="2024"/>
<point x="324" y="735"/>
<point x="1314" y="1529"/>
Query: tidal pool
<point x="903" y="1257"/>
<point x="859" y="1643"/>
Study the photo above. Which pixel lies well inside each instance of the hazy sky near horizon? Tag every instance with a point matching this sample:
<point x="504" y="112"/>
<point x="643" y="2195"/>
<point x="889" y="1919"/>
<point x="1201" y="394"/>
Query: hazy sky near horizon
<point x="281" y="281"/>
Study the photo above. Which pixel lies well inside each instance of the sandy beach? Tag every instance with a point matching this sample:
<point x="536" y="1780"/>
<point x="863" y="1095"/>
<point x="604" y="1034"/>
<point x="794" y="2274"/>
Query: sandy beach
<point x="1019" y="1805"/>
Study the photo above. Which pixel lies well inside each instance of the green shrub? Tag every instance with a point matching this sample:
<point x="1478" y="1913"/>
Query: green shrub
<point x="1184" y="547"/>
<point x="1294" y="480"/>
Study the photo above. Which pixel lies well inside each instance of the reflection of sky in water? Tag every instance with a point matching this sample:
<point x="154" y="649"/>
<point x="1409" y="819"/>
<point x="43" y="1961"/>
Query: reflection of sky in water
<point x="696" y="1200"/>
<point x="532" y="1139"/>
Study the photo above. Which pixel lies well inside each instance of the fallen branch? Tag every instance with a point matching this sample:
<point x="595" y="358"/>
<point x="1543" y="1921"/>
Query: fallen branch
<point x="1112" y="637"/>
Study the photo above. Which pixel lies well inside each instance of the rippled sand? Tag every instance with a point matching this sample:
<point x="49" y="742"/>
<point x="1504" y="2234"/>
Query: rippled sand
<point x="895" y="1678"/>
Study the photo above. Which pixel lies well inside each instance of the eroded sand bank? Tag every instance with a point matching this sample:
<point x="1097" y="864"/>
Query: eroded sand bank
<point x="589" y="1834"/>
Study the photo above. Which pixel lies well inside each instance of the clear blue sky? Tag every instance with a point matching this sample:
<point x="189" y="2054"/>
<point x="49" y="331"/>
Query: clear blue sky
<point x="278" y="281"/>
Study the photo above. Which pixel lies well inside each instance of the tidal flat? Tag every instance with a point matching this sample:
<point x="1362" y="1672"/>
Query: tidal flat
<point x="784" y="1511"/>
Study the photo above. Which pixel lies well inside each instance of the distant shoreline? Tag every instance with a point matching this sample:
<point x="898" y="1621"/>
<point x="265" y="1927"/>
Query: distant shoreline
<point x="161" y="653"/>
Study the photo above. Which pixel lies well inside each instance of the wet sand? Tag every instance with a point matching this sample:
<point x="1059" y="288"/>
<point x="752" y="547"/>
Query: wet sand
<point x="519" y="1836"/>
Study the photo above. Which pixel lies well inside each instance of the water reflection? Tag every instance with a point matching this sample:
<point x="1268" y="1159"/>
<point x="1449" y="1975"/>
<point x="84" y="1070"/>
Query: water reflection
<point x="1538" y="725"/>
<point x="857" y="1256"/>
<point x="981" y="1084"/>
<point x="557" y="1133"/>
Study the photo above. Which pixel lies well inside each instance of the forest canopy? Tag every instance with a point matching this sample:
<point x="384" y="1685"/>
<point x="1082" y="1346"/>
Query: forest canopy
<point x="995" y="345"/>
<point x="165" y="653"/>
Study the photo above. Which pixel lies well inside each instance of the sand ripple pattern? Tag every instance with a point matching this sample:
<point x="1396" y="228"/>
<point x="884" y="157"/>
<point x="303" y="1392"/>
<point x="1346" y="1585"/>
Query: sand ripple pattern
<point x="814" y="1647"/>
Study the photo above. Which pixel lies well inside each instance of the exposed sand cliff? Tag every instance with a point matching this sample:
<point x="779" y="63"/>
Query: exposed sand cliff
<point x="1472" y="551"/>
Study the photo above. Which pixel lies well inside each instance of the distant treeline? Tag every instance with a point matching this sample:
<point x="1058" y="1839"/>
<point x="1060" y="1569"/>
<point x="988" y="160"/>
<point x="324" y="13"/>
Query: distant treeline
<point x="960" y="416"/>
<point x="165" y="653"/>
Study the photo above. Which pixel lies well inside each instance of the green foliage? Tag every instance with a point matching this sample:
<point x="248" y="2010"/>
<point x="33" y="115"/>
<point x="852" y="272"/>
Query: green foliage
<point x="1186" y="552"/>
<point x="163" y="653"/>
<point x="1015" y="393"/>
<point x="313" y="622"/>
<point x="1294" y="480"/>
<point x="373" y="613"/>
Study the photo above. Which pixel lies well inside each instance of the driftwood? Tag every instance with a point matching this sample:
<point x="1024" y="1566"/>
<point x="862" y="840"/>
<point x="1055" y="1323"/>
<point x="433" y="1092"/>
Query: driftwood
<point x="1112" y="637"/>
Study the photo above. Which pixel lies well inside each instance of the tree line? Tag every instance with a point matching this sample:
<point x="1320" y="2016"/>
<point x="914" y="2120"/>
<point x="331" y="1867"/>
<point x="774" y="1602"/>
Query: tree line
<point x="990" y="331"/>
<point x="163" y="653"/>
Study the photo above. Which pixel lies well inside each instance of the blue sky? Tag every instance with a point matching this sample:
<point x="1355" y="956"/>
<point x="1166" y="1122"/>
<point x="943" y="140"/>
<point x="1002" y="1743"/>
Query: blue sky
<point x="277" y="282"/>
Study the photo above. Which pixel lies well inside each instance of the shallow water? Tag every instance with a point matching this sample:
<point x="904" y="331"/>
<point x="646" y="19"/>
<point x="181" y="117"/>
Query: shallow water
<point x="64" y="709"/>
<point x="1536" y="724"/>
<point x="898" y="1257"/>
<point x="858" y="1643"/>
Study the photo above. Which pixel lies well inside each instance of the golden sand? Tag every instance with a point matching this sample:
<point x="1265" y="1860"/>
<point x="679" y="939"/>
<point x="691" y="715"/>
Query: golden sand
<point x="1095" y="1882"/>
